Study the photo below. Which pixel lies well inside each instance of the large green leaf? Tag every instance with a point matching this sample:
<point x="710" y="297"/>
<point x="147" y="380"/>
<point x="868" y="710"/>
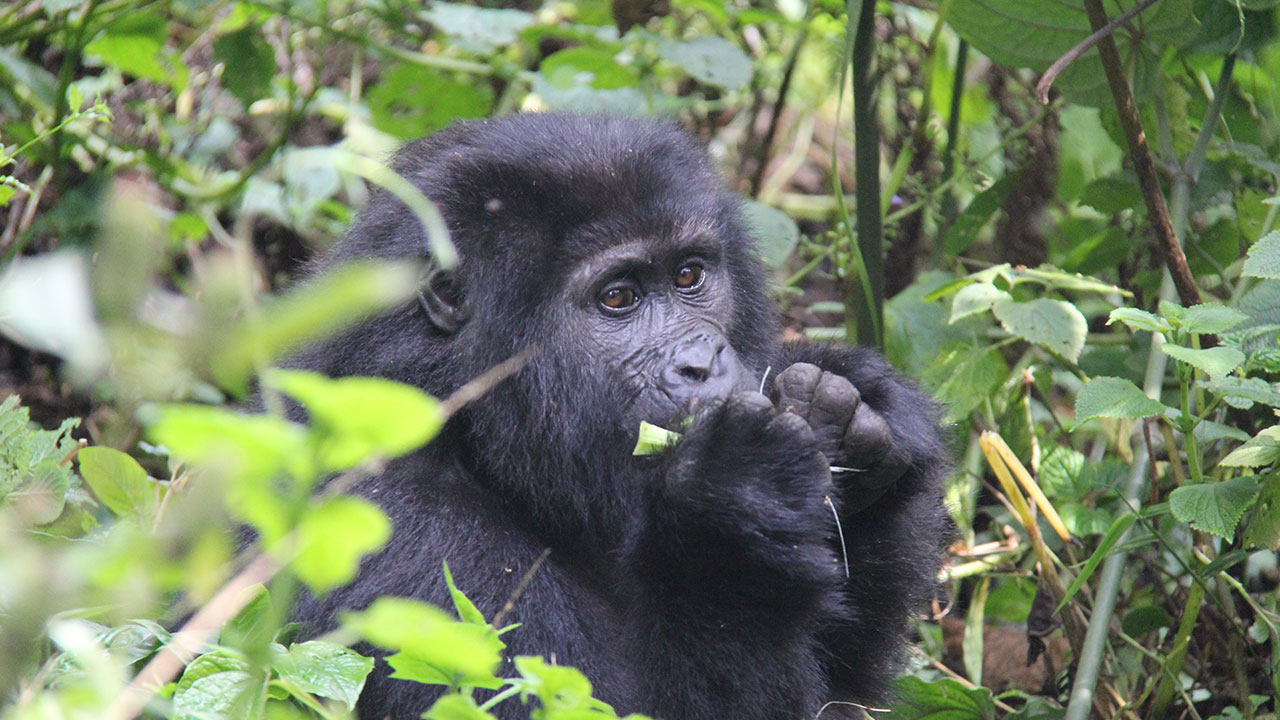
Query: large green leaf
<point x="135" y="43"/>
<point x="1214" y="507"/>
<point x="410" y="101"/>
<point x="1110" y="397"/>
<point x="1217" y="362"/>
<point x="1260" y="450"/>
<point x="711" y="59"/>
<point x="944" y="699"/>
<point x="1034" y="33"/>
<point x="332" y="538"/>
<point x="118" y="481"/>
<point x="247" y="62"/>
<point x="1264" y="257"/>
<point x="325" y="669"/>
<point x="432" y="647"/>
<point x="1055" y="324"/>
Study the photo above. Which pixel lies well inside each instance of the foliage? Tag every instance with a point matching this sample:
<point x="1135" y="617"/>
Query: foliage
<point x="165" y="168"/>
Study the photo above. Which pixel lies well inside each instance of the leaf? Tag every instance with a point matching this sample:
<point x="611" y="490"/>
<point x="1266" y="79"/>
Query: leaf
<point x="325" y="669"/>
<point x="974" y="299"/>
<point x="776" y="234"/>
<point x="118" y="481"/>
<point x="254" y="625"/>
<point x="1214" y="507"/>
<point x="467" y="610"/>
<point x="564" y="68"/>
<point x="1211" y="318"/>
<point x="943" y="699"/>
<point x="432" y="647"/>
<point x="1264" y="257"/>
<point x="1264" y="527"/>
<point x="1243" y="392"/>
<point x="358" y="418"/>
<point x="1054" y="324"/>
<point x="964" y="378"/>
<point x="211" y="687"/>
<point x="1258" y="451"/>
<point x="653" y="439"/>
<point x="410" y="100"/>
<point x="1216" y="362"/>
<point x="1139" y="320"/>
<point x="135" y="44"/>
<point x="332" y="538"/>
<point x="975" y="216"/>
<point x="310" y="311"/>
<point x="1118" y="528"/>
<point x="710" y="59"/>
<point x="247" y="61"/>
<point x="559" y="688"/>
<point x="45" y="305"/>
<point x="1111" y="397"/>
<point x="456" y="707"/>
<point x="485" y="27"/>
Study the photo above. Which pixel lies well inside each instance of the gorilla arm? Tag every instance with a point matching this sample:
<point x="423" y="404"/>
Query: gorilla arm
<point x="889" y="502"/>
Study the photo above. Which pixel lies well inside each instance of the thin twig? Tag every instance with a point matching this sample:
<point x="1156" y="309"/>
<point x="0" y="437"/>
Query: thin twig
<point x="487" y="380"/>
<point x="1046" y="80"/>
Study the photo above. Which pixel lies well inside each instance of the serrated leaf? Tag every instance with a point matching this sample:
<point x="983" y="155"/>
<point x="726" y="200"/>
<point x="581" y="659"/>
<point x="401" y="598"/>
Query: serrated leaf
<point x="1259" y="450"/>
<point x="1264" y="525"/>
<point x="1214" y="507"/>
<point x="1111" y="397"/>
<point x="325" y="669"/>
<point x="1211" y="318"/>
<point x="1217" y="362"/>
<point x="118" y="481"/>
<point x="1139" y="320"/>
<point x="1264" y="257"/>
<point x="332" y="538"/>
<point x="963" y="378"/>
<point x="943" y="699"/>
<point x="974" y="299"/>
<point x="1246" y="390"/>
<point x="1054" y="324"/>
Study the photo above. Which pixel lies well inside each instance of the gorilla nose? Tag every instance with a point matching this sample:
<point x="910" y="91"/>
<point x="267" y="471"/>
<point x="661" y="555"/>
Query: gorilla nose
<point x="701" y="367"/>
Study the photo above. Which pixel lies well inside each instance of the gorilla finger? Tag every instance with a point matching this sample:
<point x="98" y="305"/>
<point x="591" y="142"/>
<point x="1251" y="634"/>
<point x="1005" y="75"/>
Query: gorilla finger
<point x="868" y="438"/>
<point x="746" y="405"/>
<point x="796" y="386"/>
<point x="835" y="401"/>
<point x="791" y="425"/>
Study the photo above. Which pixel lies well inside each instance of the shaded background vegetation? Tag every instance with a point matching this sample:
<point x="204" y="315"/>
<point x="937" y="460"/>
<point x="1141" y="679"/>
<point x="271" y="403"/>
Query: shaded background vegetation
<point x="1086" y="274"/>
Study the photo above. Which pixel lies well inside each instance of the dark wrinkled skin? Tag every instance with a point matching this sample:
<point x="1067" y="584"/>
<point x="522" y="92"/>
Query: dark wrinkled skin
<point x="707" y="581"/>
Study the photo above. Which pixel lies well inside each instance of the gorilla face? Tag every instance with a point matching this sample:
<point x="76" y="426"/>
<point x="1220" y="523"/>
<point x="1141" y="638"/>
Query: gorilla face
<point x="655" y="316"/>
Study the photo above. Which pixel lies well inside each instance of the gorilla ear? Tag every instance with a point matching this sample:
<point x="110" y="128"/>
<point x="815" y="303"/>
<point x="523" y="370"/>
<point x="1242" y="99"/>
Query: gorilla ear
<point x="441" y="299"/>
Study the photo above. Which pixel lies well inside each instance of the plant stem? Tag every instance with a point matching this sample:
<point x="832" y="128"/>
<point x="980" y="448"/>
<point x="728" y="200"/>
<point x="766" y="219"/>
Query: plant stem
<point x="867" y="306"/>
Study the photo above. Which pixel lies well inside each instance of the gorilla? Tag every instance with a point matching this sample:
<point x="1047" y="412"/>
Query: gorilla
<point x="710" y="580"/>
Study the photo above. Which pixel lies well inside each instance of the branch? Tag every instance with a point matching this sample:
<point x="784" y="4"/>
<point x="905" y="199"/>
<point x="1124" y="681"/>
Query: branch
<point x="1046" y="81"/>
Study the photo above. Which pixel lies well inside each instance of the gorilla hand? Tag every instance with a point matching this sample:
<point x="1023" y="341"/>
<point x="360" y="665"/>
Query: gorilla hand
<point x="745" y="491"/>
<point x="850" y="433"/>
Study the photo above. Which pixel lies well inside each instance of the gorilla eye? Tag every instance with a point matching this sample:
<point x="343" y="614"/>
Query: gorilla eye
<point x="689" y="276"/>
<point x="619" y="298"/>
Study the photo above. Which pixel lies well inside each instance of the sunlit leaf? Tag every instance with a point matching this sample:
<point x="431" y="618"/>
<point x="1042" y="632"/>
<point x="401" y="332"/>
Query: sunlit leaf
<point x="332" y="538"/>
<point x="1214" y="507"/>
<point x="118" y="481"/>
<point x="1055" y="324"/>
<point x="1110" y="397"/>
<point x="1264" y="257"/>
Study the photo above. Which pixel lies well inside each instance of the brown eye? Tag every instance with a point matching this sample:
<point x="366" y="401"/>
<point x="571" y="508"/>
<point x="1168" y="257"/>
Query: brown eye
<point x="618" y="298"/>
<point x="689" y="276"/>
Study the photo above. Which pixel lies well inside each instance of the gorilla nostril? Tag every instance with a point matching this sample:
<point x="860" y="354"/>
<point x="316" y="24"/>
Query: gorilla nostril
<point x="695" y="373"/>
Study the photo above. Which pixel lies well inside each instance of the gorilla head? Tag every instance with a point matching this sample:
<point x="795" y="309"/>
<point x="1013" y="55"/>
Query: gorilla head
<point x="708" y="581"/>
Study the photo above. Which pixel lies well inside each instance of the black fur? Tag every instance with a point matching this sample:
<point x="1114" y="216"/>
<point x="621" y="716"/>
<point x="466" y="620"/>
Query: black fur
<point x="703" y="583"/>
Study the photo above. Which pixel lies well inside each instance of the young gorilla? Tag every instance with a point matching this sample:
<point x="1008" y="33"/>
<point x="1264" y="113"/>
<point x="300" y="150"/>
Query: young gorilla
<point x="705" y="582"/>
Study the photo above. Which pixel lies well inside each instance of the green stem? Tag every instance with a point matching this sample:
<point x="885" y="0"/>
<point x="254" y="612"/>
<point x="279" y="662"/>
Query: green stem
<point x="1173" y="663"/>
<point x="868" y="305"/>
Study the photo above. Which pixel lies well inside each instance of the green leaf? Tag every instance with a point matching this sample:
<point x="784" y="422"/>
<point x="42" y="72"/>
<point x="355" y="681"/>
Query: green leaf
<point x="1264" y="257"/>
<point x="974" y="299"/>
<point x="255" y="624"/>
<point x="1217" y="362"/>
<point x="313" y="310"/>
<point x="1054" y="324"/>
<point x="333" y="536"/>
<point x="944" y="699"/>
<point x="975" y="216"/>
<point x="477" y="25"/>
<point x="432" y="647"/>
<point x="1110" y="195"/>
<point x="135" y="44"/>
<point x="1144" y="619"/>
<point x="559" y="688"/>
<point x="1118" y="528"/>
<point x="653" y="439"/>
<point x="410" y="100"/>
<point x="710" y="59"/>
<point x="563" y="67"/>
<point x="213" y="686"/>
<point x="776" y="234"/>
<point x="467" y="610"/>
<point x="1211" y="318"/>
<point x="357" y="418"/>
<point x="1260" y="450"/>
<point x="456" y="707"/>
<point x="964" y="377"/>
<point x="1060" y="473"/>
<point x="1214" y="507"/>
<point x="1110" y="397"/>
<point x="248" y="63"/>
<point x="1264" y="527"/>
<point x="1243" y="392"/>
<point x="325" y="669"/>
<point x="1139" y="320"/>
<point x="118" y="481"/>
